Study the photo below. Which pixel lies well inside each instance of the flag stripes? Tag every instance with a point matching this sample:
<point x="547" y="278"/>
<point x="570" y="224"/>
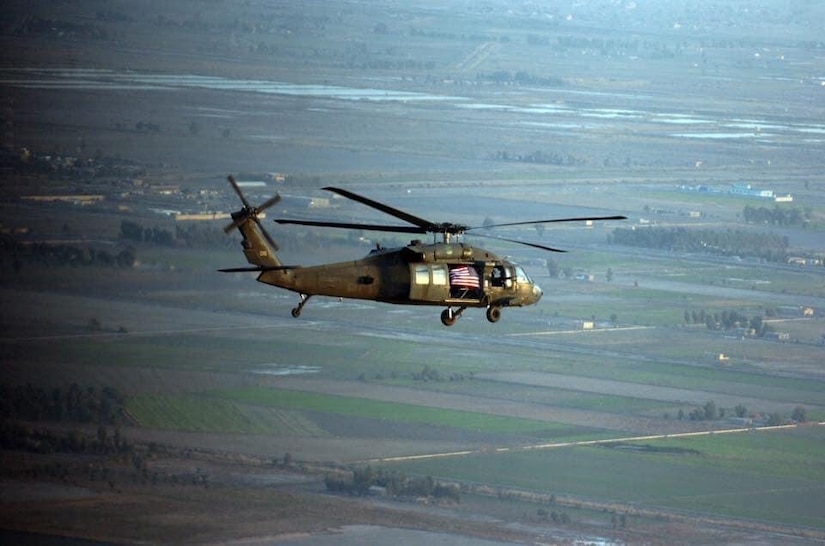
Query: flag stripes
<point x="464" y="276"/>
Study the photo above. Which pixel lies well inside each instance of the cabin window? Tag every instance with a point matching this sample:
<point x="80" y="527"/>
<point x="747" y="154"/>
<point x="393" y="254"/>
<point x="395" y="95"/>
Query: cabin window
<point x="435" y="275"/>
<point x="430" y="282"/>
<point x="422" y="274"/>
<point x="439" y="275"/>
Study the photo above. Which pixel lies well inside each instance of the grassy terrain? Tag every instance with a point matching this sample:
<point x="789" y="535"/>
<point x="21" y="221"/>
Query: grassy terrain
<point x="209" y="414"/>
<point x="402" y="413"/>
<point x="771" y="476"/>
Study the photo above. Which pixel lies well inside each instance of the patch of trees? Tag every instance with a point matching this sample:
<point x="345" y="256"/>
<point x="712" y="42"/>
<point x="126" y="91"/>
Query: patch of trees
<point x="70" y="404"/>
<point x="541" y="157"/>
<point x="147" y="127"/>
<point x="555" y="271"/>
<point x="552" y="515"/>
<point x="64" y="255"/>
<point x="35" y="25"/>
<point x="108" y="457"/>
<point x="132" y="231"/>
<point x="619" y="521"/>
<point x="70" y="167"/>
<point x="359" y="481"/>
<point x="778" y="216"/>
<point x="365" y="61"/>
<point x="709" y="411"/>
<point x="428" y="373"/>
<point x="195" y="235"/>
<point x="730" y="320"/>
<point x="21" y="437"/>
<point x="504" y="77"/>
<point x="441" y="35"/>
<point x="767" y="246"/>
<point x="307" y="181"/>
<point x="652" y="448"/>
<point x="615" y="47"/>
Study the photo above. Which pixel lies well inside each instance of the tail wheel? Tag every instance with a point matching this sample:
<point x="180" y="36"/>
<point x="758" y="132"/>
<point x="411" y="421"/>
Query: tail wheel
<point x="296" y="312"/>
<point x="493" y="314"/>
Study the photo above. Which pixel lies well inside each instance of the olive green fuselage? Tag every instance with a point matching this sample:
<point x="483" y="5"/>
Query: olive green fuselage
<point x="417" y="274"/>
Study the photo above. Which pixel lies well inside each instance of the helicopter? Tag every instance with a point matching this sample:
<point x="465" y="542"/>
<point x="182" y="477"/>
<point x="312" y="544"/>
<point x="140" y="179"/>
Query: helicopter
<point x="445" y="273"/>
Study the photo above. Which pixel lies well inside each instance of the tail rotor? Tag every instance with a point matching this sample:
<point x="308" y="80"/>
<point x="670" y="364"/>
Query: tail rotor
<point x="248" y="212"/>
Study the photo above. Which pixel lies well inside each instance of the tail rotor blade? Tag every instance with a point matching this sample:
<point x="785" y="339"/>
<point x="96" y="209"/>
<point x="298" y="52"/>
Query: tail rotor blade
<point x="238" y="191"/>
<point x="231" y="226"/>
<point x="269" y="202"/>
<point x="248" y="212"/>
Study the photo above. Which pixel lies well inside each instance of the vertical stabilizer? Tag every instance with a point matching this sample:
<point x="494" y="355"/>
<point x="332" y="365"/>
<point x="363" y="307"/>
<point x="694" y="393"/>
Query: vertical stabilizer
<point x="258" y="246"/>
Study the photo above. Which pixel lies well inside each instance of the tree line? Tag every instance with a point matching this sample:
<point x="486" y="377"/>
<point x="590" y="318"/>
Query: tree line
<point x="710" y="411"/>
<point x="132" y="231"/>
<point x="730" y="320"/>
<point x="541" y="157"/>
<point x="70" y="404"/>
<point x="767" y="246"/>
<point x="777" y="216"/>
<point x="17" y="436"/>
<point x="112" y="458"/>
<point x="64" y="255"/>
<point x="358" y="482"/>
<point x="520" y="77"/>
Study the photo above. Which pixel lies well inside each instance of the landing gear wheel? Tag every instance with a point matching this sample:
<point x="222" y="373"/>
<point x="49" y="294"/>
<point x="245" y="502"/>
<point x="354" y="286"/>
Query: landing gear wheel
<point x="296" y="312"/>
<point x="493" y="314"/>
<point x="448" y="318"/>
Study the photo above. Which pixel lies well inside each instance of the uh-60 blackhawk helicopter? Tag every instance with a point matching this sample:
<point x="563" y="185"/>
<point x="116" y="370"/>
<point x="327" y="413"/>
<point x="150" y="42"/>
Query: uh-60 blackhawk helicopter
<point x="446" y="274"/>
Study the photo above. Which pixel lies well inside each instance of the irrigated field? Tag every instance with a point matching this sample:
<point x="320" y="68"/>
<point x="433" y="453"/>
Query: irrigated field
<point x="763" y="476"/>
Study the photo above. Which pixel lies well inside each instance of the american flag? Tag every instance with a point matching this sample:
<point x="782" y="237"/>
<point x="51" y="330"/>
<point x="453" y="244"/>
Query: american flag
<point x="464" y="276"/>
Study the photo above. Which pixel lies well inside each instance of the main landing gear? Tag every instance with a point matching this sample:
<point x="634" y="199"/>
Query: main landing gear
<point x="493" y="313"/>
<point x="449" y="316"/>
<point x="297" y="311"/>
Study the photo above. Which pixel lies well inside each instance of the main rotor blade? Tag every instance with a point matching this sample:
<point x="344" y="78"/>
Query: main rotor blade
<point x="392" y="211"/>
<point x="345" y="225"/>
<point x="258" y="269"/>
<point x="555" y="220"/>
<point x="525" y="243"/>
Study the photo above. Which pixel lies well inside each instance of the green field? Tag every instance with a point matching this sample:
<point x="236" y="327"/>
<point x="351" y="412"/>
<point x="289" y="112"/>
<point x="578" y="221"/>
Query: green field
<point x="771" y="476"/>
<point x="402" y="413"/>
<point x="285" y="412"/>
<point x="192" y="413"/>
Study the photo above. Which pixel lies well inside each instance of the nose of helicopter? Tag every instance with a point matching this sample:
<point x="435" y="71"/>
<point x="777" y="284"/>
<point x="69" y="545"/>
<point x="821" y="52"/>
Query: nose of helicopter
<point x="537" y="293"/>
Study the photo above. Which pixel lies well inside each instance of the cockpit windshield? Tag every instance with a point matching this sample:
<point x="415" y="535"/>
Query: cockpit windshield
<point x="521" y="276"/>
